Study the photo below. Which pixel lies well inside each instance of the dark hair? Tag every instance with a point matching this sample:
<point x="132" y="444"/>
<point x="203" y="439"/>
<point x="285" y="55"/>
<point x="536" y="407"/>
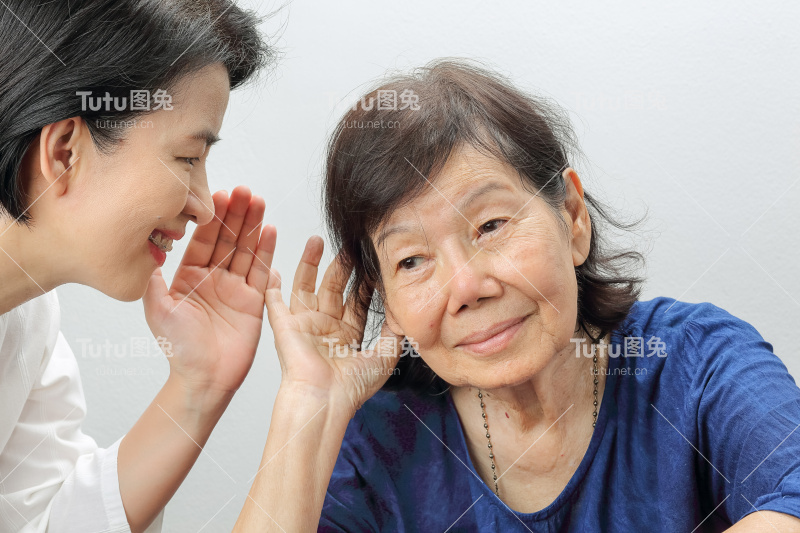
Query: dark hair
<point x="373" y="170"/>
<point x="52" y="50"/>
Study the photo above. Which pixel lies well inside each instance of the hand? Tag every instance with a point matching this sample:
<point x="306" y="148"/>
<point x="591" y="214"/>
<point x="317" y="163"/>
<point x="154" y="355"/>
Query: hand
<point x="213" y="312"/>
<point x="317" y="328"/>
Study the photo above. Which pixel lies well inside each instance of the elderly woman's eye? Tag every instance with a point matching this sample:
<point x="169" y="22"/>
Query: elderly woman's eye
<point x="408" y="263"/>
<point x="492" y="225"/>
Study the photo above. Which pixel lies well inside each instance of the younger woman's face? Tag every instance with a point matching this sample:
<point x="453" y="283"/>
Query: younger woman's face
<point x="477" y="251"/>
<point x="151" y="184"/>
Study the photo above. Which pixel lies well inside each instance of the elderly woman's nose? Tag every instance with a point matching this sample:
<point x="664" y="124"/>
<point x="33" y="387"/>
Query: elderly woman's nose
<point x="471" y="280"/>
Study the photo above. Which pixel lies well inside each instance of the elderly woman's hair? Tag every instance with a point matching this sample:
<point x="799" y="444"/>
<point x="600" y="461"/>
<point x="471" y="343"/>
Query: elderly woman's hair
<point x="387" y="148"/>
<point x="53" y="50"/>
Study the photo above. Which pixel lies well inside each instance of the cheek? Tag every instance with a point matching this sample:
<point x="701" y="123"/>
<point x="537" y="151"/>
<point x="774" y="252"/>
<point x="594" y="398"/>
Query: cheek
<point x="541" y="268"/>
<point x="540" y="264"/>
<point x="164" y="194"/>
<point x="416" y="312"/>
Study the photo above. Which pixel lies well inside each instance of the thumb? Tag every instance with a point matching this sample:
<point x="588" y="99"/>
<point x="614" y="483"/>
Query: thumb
<point x="155" y="292"/>
<point x="273" y="298"/>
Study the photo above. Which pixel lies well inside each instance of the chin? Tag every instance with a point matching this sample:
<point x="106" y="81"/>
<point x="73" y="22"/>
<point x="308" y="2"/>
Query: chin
<point x="125" y="294"/>
<point x="500" y="382"/>
<point x="129" y="289"/>
<point x="501" y="376"/>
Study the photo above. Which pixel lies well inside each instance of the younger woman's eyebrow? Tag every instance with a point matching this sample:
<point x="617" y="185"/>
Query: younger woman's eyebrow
<point x="207" y="136"/>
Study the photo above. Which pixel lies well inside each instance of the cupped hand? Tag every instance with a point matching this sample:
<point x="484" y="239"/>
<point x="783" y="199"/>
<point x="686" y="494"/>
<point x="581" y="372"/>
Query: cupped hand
<point x="318" y="336"/>
<point x="210" y="318"/>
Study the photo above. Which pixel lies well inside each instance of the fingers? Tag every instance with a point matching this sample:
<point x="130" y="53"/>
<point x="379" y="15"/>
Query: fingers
<point x="274" y="300"/>
<point x="305" y="278"/>
<point x="331" y="289"/>
<point x="231" y="227"/>
<point x="155" y="292"/>
<point x="259" y="274"/>
<point x="204" y="238"/>
<point x="248" y="238"/>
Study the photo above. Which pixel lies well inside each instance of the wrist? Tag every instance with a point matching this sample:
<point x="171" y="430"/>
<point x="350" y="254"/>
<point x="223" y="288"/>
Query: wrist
<point x="197" y="398"/>
<point x="337" y="405"/>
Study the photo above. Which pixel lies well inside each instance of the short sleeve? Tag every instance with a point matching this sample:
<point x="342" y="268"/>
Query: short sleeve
<point x="748" y="415"/>
<point x="62" y="482"/>
<point x="350" y="501"/>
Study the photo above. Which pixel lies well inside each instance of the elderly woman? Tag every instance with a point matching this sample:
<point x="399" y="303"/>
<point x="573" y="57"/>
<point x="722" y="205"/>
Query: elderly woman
<point x="518" y="384"/>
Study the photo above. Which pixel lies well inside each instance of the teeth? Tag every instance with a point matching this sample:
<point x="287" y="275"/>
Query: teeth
<point x="161" y="241"/>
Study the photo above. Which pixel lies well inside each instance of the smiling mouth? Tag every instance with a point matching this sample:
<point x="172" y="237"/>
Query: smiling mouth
<point x="163" y="242"/>
<point x="495" y="339"/>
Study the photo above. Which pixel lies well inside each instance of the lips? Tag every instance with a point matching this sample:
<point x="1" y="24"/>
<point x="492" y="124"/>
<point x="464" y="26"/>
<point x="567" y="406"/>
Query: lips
<point x="161" y="241"/>
<point x="170" y="234"/>
<point x="488" y="333"/>
<point x="163" y="238"/>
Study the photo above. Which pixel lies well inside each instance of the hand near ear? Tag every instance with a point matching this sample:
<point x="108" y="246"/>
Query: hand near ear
<point x="318" y="336"/>
<point x="211" y="316"/>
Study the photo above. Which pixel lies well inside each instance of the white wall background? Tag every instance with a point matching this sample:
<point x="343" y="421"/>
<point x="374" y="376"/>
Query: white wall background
<point x="688" y="108"/>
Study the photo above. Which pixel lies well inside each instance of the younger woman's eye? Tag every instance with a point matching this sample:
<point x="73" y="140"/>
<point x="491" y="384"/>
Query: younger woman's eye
<point x="492" y="225"/>
<point x="408" y="263"/>
<point x="191" y="160"/>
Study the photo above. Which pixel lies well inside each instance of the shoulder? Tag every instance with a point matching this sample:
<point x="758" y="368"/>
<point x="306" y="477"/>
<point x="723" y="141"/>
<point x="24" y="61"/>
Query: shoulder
<point x="701" y="323"/>
<point x="692" y="341"/>
<point x="36" y="316"/>
<point x="389" y="410"/>
<point x="668" y="314"/>
<point x="395" y="422"/>
<point x="31" y="329"/>
<point x="704" y="342"/>
<point x="687" y="327"/>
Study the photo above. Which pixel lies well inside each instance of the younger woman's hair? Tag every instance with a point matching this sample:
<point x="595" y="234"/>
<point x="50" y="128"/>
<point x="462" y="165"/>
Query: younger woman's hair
<point x="389" y="148"/>
<point x="52" y="50"/>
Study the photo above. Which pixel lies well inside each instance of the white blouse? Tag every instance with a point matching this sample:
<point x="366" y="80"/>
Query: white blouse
<point x="53" y="478"/>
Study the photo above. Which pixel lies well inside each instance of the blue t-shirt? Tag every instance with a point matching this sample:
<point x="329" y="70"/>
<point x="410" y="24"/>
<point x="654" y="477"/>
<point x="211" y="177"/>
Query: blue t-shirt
<point x="692" y="439"/>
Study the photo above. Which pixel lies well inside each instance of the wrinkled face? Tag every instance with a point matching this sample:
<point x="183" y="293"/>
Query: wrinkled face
<point x="480" y="272"/>
<point x="153" y="183"/>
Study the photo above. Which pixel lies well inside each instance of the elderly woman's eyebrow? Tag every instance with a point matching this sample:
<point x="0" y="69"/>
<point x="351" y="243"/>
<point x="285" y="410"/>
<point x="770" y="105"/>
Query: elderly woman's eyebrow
<point x="464" y="205"/>
<point x="483" y="189"/>
<point x="391" y="231"/>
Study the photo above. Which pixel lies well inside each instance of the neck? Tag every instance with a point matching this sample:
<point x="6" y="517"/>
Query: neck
<point x="560" y="396"/>
<point x="24" y="270"/>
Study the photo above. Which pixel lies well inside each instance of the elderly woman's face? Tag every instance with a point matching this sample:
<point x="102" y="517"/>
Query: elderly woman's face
<point x="480" y="272"/>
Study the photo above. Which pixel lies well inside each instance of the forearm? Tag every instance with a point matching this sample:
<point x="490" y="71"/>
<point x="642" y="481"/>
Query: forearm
<point x="158" y="452"/>
<point x="305" y="435"/>
<point x="766" y="522"/>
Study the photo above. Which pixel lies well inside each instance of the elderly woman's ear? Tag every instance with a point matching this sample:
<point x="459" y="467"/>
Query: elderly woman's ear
<point x="578" y="221"/>
<point x="391" y="323"/>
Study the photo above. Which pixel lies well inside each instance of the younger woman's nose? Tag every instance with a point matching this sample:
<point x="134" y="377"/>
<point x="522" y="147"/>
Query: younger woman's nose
<point x="200" y="205"/>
